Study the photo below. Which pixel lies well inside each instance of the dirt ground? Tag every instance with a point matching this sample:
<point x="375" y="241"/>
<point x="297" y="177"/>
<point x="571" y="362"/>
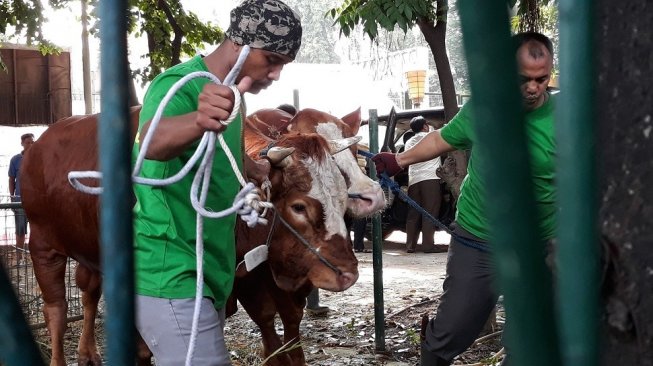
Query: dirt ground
<point x="345" y="336"/>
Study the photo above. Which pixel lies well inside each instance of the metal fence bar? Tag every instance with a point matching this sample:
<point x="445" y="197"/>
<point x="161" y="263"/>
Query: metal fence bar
<point x="18" y="346"/>
<point x="116" y="237"/>
<point x="578" y="250"/>
<point x="377" y="246"/>
<point x="518" y="251"/>
<point x="21" y="274"/>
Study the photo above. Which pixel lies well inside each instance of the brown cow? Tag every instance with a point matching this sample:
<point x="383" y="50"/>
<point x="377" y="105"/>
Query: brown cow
<point x="261" y="292"/>
<point x="65" y="223"/>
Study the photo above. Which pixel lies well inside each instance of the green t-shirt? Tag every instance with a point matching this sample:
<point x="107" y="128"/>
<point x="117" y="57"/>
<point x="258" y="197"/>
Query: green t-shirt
<point x="165" y="221"/>
<point x="470" y="214"/>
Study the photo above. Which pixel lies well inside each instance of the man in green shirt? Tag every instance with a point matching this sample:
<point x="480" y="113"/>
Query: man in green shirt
<point x="165" y="221"/>
<point x="468" y="296"/>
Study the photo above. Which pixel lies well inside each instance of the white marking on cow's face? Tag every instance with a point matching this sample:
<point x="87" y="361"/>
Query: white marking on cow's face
<point x="329" y="188"/>
<point x="359" y="182"/>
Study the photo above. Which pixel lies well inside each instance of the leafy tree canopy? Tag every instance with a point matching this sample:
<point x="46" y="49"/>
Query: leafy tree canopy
<point x="170" y="30"/>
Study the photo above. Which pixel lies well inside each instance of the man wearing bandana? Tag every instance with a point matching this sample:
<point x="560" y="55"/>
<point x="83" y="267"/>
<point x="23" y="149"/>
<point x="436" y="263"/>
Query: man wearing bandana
<point x="164" y="225"/>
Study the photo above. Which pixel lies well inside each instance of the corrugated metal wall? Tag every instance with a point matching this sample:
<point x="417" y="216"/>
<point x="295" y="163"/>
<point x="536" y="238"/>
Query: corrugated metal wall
<point x="35" y="89"/>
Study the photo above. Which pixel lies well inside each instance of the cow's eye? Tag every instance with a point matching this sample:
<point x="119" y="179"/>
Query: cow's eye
<point x="299" y="208"/>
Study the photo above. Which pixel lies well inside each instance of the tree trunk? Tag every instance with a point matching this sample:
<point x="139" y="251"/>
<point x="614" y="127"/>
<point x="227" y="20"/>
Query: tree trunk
<point x="454" y="165"/>
<point x="86" y="63"/>
<point x="625" y="119"/>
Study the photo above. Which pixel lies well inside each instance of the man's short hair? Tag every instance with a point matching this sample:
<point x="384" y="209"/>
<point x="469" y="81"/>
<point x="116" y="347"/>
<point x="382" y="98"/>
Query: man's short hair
<point x="288" y="108"/>
<point x="521" y="39"/>
<point x="407" y="136"/>
<point x="26" y="136"/>
<point x="269" y="25"/>
<point x="417" y="124"/>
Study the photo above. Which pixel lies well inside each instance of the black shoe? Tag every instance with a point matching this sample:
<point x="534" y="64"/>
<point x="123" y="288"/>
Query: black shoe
<point x="437" y="249"/>
<point x="410" y="250"/>
<point x="318" y="310"/>
<point x="429" y="359"/>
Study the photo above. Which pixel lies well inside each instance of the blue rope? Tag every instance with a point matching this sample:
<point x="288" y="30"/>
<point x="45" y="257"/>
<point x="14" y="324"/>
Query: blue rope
<point x="388" y="183"/>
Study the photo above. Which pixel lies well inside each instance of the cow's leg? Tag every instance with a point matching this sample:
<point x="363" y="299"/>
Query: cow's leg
<point x="143" y="355"/>
<point x="260" y="307"/>
<point x="291" y="316"/>
<point x="90" y="283"/>
<point x="49" y="269"/>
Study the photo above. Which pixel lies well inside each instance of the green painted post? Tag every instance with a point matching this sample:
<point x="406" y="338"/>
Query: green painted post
<point x="17" y="345"/>
<point x="578" y="239"/>
<point x="518" y="252"/>
<point x="377" y="246"/>
<point x="115" y="162"/>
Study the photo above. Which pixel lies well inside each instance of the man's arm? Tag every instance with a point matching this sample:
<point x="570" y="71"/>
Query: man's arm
<point x="174" y="134"/>
<point x="431" y="146"/>
<point x="12" y="185"/>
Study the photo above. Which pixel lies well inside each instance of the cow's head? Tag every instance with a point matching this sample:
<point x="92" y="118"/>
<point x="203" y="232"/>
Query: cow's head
<point x="369" y="197"/>
<point x="310" y="194"/>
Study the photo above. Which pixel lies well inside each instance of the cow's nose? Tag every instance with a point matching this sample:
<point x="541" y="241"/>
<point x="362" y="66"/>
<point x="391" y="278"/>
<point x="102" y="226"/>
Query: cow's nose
<point x="347" y="279"/>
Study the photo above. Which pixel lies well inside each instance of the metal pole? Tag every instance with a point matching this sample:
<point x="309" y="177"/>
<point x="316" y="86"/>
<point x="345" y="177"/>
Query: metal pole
<point x="518" y="251"/>
<point x="116" y="214"/>
<point x="295" y="98"/>
<point x="377" y="246"/>
<point x="17" y="346"/>
<point x="578" y="245"/>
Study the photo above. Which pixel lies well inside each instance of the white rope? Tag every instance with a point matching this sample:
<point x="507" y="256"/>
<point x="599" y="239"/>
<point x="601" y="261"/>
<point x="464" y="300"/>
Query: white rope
<point x="247" y="202"/>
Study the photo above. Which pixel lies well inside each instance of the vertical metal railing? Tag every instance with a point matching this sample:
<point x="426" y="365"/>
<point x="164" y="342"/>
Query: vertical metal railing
<point x="116" y="216"/>
<point x="523" y="277"/>
<point x="578" y="249"/>
<point x="17" y="346"/>
<point x="377" y="246"/>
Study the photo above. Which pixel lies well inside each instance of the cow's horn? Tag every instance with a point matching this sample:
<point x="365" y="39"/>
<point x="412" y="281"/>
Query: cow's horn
<point x="342" y="144"/>
<point x="278" y="155"/>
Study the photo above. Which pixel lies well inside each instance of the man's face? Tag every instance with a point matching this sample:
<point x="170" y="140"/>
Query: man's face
<point x="534" y="74"/>
<point x="264" y="67"/>
<point x="27" y="143"/>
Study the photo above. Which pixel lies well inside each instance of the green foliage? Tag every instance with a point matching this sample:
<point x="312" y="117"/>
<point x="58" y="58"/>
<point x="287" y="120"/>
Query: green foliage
<point x="387" y="14"/>
<point x="161" y="22"/>
<point x="24" y="16"/>
<point x="171" y="31"/>
<point x="319" y="38"/>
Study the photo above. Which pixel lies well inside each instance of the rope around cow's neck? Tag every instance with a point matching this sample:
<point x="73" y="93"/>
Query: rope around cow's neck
<point x="247" y="203"/>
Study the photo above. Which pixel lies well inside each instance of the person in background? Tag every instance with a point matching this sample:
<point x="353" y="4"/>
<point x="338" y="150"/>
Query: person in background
<point x="424" y="189"/>
<point x="469" y="295"/>
<point x="26" y="141"/>
<point x="164" y="219"/>
<point x="288" y="108"/>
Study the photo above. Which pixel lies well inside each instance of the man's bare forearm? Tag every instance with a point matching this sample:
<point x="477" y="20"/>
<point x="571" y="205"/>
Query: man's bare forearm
<point x="173" y="135"/>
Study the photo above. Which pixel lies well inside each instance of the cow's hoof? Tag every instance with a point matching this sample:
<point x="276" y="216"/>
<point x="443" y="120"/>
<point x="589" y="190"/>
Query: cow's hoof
<point x="94" y="360"/>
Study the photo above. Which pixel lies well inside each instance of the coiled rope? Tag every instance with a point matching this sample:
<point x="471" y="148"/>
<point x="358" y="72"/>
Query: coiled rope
<point x="247" y="202"/>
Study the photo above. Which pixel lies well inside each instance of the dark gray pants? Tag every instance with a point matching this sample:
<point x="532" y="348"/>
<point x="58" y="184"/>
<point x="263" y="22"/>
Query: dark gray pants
<point x="465" y="305"/>
<point x="428" y="195"/>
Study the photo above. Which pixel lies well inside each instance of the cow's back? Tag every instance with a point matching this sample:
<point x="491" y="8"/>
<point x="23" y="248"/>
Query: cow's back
<point x="65" y="219"/>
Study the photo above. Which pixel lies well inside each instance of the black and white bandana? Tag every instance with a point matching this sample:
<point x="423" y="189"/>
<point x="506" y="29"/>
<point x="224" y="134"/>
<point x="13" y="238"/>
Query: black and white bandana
<point x="269" y="25"/>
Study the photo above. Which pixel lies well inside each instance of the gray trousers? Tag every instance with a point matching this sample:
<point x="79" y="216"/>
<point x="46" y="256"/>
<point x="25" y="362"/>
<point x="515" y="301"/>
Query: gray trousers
<point x="466" y="303"/>
<point x="428" y="195"/>
<point x="165" y="325"/>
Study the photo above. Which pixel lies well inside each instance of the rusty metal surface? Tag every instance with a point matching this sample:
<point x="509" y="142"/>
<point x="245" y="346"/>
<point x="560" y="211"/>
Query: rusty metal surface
<point x="36" y="89"/>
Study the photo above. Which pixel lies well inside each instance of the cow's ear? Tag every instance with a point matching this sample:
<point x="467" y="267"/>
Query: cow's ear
<point x="353" y="120"/>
